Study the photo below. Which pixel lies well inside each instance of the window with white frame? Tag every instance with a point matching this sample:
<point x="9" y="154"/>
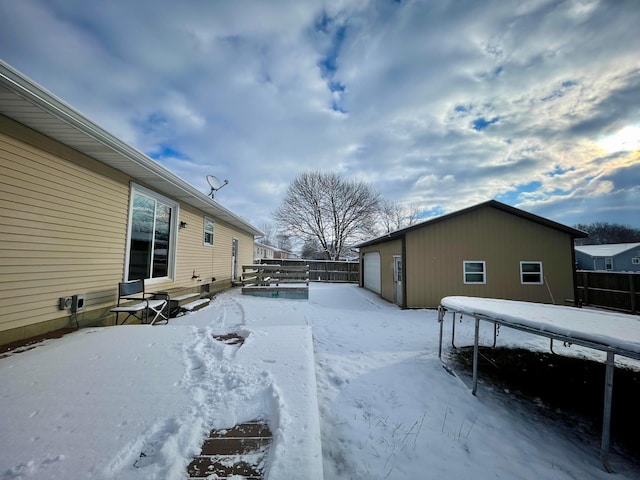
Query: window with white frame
<point x="152" y="230"/>
<point x="608" y="263"/>
<point x="531" y="273"/>
<point x="635" y="260"/>
<point x="209" y="228"/>
<point x="474" y="272"/>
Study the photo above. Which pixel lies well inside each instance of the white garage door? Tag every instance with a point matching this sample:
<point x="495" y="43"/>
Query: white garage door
<point x="372" y="271"/>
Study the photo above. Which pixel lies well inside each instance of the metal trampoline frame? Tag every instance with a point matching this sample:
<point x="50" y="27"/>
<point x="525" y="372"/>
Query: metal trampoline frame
<point x="497" y="321"/>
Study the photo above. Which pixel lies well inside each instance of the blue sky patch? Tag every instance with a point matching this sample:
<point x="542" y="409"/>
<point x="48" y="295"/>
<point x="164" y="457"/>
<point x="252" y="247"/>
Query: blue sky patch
<point x="165" y="151"/>
<point x="512" y="197"/>
<point x="152" y="123"/>
<point x="328" y="64"/>
<point x="560" y="92"/>
<point x="431" y="213"/>
<point x="555" y="94"/>
<point x="336" y="86"/>
<point x="337" y="108"/>
<point x="481" y="123"/>
<point x="323" y="22"/>
<point x="557" y="170"/>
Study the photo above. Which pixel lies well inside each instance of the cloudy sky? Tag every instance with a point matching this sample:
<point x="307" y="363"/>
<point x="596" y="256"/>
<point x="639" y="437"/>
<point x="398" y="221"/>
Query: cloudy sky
<point x="436" y="104"/>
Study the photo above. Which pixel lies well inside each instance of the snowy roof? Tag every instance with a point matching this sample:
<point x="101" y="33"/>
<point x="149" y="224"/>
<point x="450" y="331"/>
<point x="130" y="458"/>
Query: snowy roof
<point x="609" y="250"/>
<point x="491" y="203"/>
<point x="610" y="330"/>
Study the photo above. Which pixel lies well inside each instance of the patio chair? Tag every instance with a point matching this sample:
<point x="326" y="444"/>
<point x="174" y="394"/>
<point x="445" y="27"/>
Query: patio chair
<point x="135" y="302"/>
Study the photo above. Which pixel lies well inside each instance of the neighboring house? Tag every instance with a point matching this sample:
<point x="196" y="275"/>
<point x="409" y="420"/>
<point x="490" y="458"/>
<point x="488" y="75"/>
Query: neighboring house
<point x="262" y="251"/>
<point x="82" y="211"/>
<point x="488" y="250"/>
<point x="619" y="257"/>
<point x="284" y="254"/>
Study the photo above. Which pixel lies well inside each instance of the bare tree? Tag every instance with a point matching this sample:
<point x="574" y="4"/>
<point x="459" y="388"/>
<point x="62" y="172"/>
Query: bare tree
<point x="394" y="216"/>
<point x="311" y="248"/>
<point x="330" y="209"/>
<point x="284" y="242"/>
<point x="269" y="231"/>
<point x="604" y="232"/>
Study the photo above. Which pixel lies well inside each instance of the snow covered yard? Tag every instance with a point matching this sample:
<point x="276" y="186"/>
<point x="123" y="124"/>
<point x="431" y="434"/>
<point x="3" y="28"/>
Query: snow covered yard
<point x="87" y="405"/>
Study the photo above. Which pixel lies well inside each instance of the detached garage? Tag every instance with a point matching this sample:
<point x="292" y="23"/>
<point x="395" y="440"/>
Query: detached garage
<point x="488" y="250"/>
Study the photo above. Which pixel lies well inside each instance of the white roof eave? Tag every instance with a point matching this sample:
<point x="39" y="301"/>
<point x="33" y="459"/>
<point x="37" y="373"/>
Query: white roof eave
<point x="28" y="103"/>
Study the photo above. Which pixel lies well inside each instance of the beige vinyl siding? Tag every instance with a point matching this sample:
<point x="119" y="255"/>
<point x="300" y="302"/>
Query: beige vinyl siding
<point x="223" y="238"/>
<point x="245" y="251"/>
<point x="192" y="254"/>
<point x="194" y="257"/>
<point x="207" y="261"/>
<point x="54" y="244"/>
<point x="435" y="256"/>
<point x="63" y="231"/>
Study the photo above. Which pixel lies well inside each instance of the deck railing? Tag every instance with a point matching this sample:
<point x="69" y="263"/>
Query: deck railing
<point x="263" y="275"/>
<point x="262" y="280"/>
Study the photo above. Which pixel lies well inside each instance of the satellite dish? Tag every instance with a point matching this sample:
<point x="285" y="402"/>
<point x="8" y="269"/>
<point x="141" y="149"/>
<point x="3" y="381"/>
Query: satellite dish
<point x="215" y="183"/>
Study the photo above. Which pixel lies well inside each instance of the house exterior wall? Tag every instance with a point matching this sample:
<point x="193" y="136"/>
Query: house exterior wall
<point x="584" y="261"/>
<point x="206" y="262"/>
<point x="261" y="251"/>
<point x="387" y="251"/>
<point x="63" y="231"/>
<point x="435" y="256"/>
<point x="622" y="262"/>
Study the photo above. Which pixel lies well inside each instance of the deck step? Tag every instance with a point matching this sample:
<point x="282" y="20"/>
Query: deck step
<point x="241" y="451"/>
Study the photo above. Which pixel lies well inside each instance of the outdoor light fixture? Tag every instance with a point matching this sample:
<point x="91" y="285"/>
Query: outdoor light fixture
<point x="183" y="225"/>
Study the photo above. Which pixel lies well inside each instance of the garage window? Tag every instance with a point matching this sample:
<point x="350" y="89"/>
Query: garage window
<point x="531" y="273"/>
<point x="474" y="272"/>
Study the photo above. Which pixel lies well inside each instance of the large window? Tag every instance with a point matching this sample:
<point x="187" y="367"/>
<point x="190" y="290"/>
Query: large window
<point x="474" y="272"/>
<point x="531" y="273"/>
<point x="150" y="250"/>
<point x="209" y="227"/>
<point x="608" y="263"/>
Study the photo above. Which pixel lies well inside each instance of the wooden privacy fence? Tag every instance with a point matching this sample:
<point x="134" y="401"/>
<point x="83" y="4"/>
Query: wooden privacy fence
<point x="324" y="270"/>
<point x="615" y="290"/>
